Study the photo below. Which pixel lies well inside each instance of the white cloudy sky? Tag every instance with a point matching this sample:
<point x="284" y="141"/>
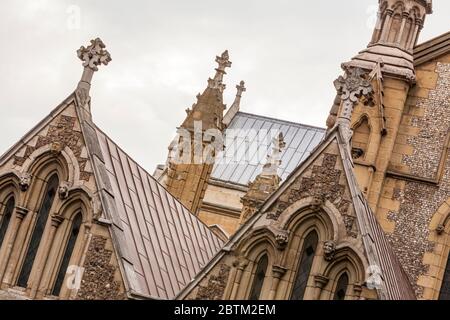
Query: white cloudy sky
<point x="288" y="52"/>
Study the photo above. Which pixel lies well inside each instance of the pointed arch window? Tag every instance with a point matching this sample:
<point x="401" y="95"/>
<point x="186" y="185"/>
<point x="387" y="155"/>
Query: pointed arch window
<point x="4" y="222"/>
<point x="341" y="287"/>
<point x="305" y="265"/>
<point x="445" y="287"/>
<point x="42" y="217"/>
<point x="258" y="280"/>
<point x="73" y="236"/>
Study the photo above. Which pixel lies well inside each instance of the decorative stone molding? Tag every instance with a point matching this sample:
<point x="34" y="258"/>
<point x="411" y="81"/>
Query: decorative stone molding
<point x="25" y="181"/>
<point x="329" y="250"/>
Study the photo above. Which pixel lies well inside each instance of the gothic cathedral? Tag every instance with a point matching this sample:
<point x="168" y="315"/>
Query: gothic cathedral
<point x="246" y="207"/>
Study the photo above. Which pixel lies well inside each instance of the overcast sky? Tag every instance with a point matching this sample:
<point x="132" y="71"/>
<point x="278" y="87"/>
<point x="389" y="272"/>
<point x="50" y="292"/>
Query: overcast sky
<point x="288" y="52"/>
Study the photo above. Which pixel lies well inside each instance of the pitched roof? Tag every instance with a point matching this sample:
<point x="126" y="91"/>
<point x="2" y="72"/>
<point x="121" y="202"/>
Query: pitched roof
<point x="160" y="245"/>
<point x="395" y="282"/>
<point x="167" y="244"/>
<point x="248" y="142"/>
<point x="432" y="49"/>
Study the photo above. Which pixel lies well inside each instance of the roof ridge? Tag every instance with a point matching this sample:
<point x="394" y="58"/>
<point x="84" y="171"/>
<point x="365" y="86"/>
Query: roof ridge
<point x="281" y="120"/>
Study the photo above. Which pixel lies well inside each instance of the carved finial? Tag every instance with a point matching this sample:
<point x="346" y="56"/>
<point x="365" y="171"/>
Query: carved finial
<point x="274" y="159"/>
<point x="224" y="62"/>
<point x="94" y="55"/>
<point x="240" y="89"/>
<point x="235" y="107"/>
<point x="351" y="87"/>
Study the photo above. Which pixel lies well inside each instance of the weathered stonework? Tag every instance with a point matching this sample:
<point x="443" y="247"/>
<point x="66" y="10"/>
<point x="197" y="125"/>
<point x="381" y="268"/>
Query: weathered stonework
<point x="322" y="181"/>
<point x="420" y="201"/>
<point x="61" y="132"/>
<point x="98" y="281"/>
<point x="434" y="127"/>
<point x="215" y="287"/>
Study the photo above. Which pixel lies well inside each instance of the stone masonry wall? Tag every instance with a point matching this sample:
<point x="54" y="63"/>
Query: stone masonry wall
<point x="419" y="201"/>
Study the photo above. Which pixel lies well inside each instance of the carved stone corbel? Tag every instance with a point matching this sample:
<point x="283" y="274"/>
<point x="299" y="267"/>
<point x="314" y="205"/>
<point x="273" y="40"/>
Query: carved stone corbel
<point x="329" y="250"/>
<point x="282" y="239"/>
<point x="25" y="181"/>
<point x="63" y="190"/>
<point x="56" y="148"/>
<point x="317" y="203"/>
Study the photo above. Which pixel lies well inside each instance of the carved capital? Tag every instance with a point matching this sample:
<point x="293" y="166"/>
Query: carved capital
<point x="25" y="181"/>
<point x="278" y="271"/>
<point x="21" y="212"/>
<point x="320" y="281"/>
<point x="56" y="221"/>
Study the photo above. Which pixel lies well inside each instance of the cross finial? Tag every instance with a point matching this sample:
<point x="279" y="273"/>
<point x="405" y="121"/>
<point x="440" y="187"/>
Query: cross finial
<point x="240" y="89"/>
<point x="224" y="62"/>
<point x="94" y="55"/>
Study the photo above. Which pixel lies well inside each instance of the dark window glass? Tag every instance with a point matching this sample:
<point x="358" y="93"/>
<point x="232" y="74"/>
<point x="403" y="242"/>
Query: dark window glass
<point x="258" y="280"/>
<point x="76" y="224"/>
<point x="445" y="288"/>
<point x="304" y="268"/>
<point x="4" y="223"/>
<point x="341" y="288"/>
<point x="38" y="231"/>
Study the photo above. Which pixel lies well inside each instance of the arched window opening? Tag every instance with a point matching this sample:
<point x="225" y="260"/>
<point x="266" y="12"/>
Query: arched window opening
<point x="258" y="280"/>
<point x="4" y="222"/>
<point x="305" y="265"/>
<point x="42" y="216"/>
<point x="360" y="139"/>
<point x="75" y="230"/>
<point x="341" y="287"/>
<point x="445" y="287"/>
